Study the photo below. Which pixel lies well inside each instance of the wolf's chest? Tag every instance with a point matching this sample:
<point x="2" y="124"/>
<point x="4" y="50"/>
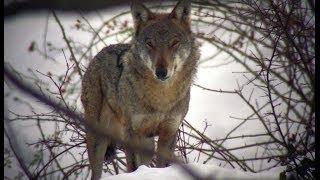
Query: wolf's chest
<point x="161" y="97"/>
<point x="146" y="124"/>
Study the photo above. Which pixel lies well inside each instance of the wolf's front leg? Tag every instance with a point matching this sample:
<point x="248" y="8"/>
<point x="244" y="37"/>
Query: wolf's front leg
<point x="167" y="141"/>
<point x="135" y="159"/>
<point x="143" y="158"/>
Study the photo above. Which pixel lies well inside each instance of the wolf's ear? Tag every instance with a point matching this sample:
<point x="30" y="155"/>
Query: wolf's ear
<point x="140" y="13"/>
<point x="182" y="11"/>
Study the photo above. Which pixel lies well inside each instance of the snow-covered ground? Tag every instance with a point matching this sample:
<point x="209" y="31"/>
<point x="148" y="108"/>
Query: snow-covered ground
<point x="175" y="172"/>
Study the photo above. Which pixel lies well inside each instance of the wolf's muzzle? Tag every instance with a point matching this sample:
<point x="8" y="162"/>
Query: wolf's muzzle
<point x="161" y="73"/>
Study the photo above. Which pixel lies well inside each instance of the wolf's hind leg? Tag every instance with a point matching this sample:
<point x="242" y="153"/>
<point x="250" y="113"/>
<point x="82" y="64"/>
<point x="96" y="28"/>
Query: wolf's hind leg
<point x="96" y="151"/>
<point x="131" y="161"/>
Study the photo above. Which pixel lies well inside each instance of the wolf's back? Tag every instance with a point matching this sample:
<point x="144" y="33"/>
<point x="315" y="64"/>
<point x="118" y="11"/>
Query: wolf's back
<point x="102" y="76"/>
<point x="112" y="55"/>
<point x="109" y="60"/>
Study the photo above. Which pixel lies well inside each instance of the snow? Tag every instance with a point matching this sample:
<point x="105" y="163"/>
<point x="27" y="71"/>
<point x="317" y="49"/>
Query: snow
<point x="174" y="172"/>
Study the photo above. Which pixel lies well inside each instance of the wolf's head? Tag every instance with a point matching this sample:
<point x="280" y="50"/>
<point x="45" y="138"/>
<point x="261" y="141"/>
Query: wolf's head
<point x="162" y="41"/>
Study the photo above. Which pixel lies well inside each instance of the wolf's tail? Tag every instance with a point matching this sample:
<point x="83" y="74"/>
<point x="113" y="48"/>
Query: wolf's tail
<point x="110" y="153"/>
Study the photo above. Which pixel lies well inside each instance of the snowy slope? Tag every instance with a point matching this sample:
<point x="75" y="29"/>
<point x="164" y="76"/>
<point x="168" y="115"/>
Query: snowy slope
<point x="176" y="173"/>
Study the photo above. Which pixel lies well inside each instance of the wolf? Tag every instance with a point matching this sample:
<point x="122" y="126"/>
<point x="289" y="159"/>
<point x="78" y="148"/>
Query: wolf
<point x="140" y="90"/>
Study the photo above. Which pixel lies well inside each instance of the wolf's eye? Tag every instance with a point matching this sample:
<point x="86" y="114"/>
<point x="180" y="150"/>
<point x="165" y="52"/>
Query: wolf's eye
<point x="175" y="43"/>
<point x="149" y="44"/>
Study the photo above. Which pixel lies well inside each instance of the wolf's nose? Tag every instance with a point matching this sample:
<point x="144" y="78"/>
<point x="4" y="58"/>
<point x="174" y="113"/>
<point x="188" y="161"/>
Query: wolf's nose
<point x="161" y="73"/>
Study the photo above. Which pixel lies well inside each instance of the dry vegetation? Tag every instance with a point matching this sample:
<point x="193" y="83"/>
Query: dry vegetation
<point x="273" y="40"/>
